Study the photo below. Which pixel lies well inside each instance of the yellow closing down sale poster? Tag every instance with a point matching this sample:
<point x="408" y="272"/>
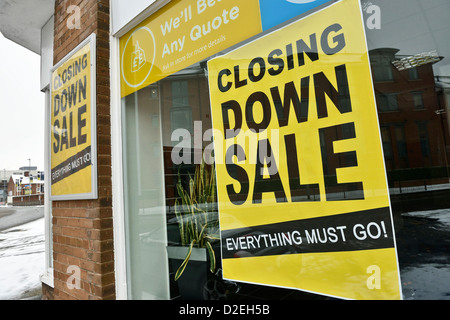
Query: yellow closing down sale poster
<point x="302" y="191"/>
<point x="72" y="134"/>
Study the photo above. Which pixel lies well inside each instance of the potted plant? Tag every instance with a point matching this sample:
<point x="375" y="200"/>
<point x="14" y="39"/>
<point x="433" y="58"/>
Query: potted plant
<point x="196" y="215"/>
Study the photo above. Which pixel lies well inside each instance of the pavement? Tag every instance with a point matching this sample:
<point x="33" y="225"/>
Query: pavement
<point x="15" y="216"/>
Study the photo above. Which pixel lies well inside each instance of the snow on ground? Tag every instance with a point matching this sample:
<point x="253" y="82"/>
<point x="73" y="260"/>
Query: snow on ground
<point x="426" y="282"/>
<point x="442" y="215"/>
<point x="22" y="259"/>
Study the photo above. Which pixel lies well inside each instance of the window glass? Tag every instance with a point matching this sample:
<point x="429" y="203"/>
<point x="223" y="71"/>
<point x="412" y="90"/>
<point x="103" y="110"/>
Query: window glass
<point x="166" y="133"/>
<point x="412" y="38"/>
<point x="143" y="195"/>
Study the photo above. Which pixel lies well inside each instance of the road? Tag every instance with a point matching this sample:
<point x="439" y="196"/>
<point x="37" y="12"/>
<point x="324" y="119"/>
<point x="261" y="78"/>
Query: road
<point x="22" y="252"/>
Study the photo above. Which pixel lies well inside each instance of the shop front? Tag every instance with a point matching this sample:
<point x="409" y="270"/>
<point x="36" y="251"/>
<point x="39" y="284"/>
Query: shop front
<point x="257" y="149"/>
<point x="263" y="155"/>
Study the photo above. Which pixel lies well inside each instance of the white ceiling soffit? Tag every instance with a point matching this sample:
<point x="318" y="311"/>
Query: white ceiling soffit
<point x="125" y="15"/>
<point x="21" y="21"/>
<point x="124" y="11"/>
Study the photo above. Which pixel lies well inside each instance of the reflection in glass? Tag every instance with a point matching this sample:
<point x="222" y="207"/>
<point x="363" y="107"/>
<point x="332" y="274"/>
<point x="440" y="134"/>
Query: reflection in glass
<point x="414" y="38"/>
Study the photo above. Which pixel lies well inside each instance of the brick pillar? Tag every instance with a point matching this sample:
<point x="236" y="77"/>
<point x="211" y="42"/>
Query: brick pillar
<point x="83" y="229"/>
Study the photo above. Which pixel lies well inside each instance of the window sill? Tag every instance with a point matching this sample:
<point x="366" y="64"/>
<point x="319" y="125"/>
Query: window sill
<point x="47" y="278"/>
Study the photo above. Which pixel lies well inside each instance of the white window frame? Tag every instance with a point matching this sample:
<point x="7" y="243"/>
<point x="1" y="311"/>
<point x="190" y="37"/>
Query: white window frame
<point x="47" y="40"/>
<point x="47" y="276"/>
<point x="117" y="174"/>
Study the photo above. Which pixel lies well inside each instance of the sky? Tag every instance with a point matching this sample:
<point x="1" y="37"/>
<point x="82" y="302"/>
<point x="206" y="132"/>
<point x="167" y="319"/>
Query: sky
<point x="22" y="107"/>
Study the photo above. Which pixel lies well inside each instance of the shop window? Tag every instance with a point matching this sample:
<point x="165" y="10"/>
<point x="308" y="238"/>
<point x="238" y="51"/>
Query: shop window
<point x="415" y="146"/>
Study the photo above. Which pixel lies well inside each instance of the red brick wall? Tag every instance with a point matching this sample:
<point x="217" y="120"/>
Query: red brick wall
<point x="83" y="229"/>
<point x="29" y="200"/>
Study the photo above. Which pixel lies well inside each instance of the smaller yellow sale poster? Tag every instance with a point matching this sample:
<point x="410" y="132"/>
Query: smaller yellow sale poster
<point x="73" y="125"/>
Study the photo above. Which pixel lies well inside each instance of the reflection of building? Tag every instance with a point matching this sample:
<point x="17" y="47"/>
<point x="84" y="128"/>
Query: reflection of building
<point x="412" y="129"/>
<point x="184" y="101"/>
<point x="26" y="189"/>
<point x="4" y="180"/>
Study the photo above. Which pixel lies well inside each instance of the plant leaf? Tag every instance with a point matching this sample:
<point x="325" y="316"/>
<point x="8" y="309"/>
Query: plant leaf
<point x="180" y="223"/>
<point x="212" y="237"/>
<point x="212" y="257"/>
<point x="196" y="202"/>
<point x="185" y="262"/>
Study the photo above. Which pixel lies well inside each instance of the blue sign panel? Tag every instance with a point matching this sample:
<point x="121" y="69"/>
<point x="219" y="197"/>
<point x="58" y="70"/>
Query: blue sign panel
<point x="274" y="12"/>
